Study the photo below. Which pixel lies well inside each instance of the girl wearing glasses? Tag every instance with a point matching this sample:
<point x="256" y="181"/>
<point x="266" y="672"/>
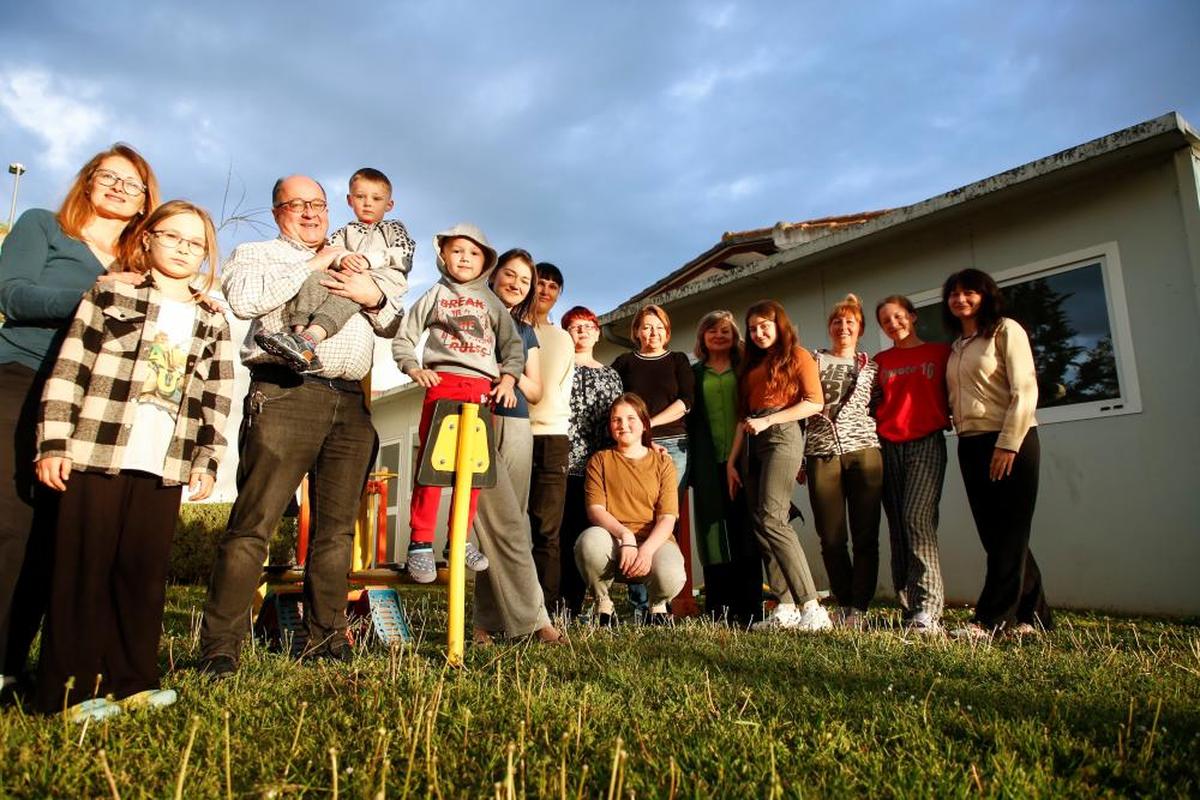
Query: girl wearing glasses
<point x="134" y="409"/>
<point x="49" y="260"/>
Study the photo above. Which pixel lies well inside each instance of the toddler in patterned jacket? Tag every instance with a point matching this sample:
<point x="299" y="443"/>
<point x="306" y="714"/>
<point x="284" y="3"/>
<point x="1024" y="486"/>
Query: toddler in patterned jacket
<point x="380" y="246"/>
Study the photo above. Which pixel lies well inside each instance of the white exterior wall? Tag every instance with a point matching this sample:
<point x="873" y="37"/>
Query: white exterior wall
<point x="1118" y="517"/>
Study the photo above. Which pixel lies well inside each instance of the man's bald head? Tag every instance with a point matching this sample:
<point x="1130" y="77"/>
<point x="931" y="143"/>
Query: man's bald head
<point x="300" y="209"/>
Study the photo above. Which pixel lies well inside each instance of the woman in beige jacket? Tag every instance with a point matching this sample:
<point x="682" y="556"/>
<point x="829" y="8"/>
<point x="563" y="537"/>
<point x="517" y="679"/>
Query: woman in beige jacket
<point x="993" y="397"/>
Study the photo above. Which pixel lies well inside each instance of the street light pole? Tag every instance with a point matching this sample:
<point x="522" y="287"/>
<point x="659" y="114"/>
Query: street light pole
<point x="16" y="170"/>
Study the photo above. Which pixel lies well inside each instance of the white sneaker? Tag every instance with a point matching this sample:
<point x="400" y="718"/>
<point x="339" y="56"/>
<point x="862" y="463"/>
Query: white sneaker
<point x="812" y="619"/>
<point x="784" y="617"/>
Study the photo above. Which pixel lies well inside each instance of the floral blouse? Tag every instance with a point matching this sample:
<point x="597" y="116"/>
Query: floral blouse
<point x="593" y="391"/>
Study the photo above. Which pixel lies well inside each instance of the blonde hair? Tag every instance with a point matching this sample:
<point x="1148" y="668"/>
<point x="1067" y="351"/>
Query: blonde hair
<point x="848" y="306"/>
<point x="711" y="320"/>
<point x="77" y="209"/>
<point x="135" y="252"/>
<point x="641" y="315"/>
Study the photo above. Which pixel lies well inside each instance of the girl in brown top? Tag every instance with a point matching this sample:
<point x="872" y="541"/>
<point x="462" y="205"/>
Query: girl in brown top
<point x="778" y="387"/>
<point x="632" y="504"/>
<point x="993" y="394"/>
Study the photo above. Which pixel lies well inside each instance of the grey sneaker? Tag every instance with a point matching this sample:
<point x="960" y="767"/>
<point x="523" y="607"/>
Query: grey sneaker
<point x="476" y="561"/>
<point x="299" y="353"/>
<point x="420" y="566"/>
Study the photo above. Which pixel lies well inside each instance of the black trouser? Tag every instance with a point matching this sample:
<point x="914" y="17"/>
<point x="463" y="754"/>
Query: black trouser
<point x="547" y="495"/>
<point x="27" y="512"/>
<point x="733" y="588"/>
<point x="108" y="589"/>
<point x="572" y="589"/>
<point x="1003" y="512"/>
<point x="292" y="426"/>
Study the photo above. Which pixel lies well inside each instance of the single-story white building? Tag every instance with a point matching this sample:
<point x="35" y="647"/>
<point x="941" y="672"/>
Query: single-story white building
<point x="1099" y="247"/>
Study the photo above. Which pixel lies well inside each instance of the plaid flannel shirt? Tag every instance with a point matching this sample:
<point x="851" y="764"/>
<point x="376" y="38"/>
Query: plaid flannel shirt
<point x="90" y="399"/>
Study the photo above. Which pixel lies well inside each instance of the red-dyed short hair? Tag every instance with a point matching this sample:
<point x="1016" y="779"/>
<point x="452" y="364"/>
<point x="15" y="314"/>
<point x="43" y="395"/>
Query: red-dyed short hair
<point x="580" y="313"/>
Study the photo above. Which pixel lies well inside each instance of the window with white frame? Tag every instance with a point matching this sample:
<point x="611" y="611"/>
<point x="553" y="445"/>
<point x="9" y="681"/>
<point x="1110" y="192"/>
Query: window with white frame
<point x="1073" y="307"/>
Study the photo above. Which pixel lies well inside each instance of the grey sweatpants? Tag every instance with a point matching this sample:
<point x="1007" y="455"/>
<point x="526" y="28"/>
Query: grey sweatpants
<point x="508" y="596"/>
<point x="775" y="456"/>
<point x="913" y="473"/>
<point x="598" y="554"/>
<point x="314" y="305"/>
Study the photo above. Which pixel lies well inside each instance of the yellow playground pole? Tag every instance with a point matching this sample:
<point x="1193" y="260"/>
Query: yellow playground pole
<point x="459" y="508"/>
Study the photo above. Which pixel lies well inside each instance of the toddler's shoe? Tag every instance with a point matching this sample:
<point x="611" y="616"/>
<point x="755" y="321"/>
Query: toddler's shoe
<point x="297" y="350"/>
<point x="420" y="565"/>
<point x="475" y="559"/>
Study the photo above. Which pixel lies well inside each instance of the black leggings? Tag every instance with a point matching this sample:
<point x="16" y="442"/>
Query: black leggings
<point x="1003" y="511"/>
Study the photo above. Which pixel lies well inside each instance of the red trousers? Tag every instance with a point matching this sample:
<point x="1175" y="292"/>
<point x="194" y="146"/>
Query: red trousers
<point x="423" y="511"/>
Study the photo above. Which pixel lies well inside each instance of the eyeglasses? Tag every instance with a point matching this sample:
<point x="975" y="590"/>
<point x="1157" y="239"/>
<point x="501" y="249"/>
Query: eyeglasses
<point x="171" y="241"/>
<point x="111" y="179"/>
<point x="582" y="327"/>
<point x="300" y="206"/>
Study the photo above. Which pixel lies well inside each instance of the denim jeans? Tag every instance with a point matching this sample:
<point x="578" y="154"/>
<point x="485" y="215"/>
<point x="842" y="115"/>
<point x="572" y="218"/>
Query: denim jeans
<point x="289" y="429"/>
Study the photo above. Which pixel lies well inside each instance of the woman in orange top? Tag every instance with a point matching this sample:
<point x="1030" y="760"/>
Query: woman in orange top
<point x="778" y="386"/>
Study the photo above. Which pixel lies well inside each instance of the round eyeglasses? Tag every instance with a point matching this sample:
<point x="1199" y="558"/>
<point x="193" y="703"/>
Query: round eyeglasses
<point x="111" y="179"/>
<point x="171" y="241"/>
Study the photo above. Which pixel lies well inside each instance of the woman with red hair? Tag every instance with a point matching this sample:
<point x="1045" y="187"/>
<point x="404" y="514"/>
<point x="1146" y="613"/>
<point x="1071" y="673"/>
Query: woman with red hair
<point x="49" y="261"/>
<point x="594" y="387"/>
<point x="778" y="387"/>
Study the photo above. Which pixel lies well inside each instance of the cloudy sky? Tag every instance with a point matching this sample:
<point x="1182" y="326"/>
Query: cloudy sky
<point x="616" y="139"/>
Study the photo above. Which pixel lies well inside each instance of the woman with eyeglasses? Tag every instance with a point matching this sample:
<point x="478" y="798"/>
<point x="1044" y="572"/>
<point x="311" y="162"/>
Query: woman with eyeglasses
<point x="594" y="387"/>
<point x="49" y="260"/>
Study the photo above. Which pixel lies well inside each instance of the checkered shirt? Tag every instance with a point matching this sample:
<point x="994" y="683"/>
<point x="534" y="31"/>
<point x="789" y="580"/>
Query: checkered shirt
<point x="260" y="277"/>
<point x="90" y="400"/>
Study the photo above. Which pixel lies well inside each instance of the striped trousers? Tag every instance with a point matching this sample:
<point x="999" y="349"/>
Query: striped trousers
<point x="912" y="489"/>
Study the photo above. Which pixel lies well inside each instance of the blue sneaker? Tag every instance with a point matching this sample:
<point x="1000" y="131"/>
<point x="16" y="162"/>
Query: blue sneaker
<point x="93" y="710"/>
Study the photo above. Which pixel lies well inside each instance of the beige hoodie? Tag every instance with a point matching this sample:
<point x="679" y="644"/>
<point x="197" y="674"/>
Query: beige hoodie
<point x="993" y="385"/>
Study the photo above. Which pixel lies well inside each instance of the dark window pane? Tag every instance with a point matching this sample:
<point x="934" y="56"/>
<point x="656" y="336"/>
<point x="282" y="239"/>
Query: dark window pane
<point x="1066" y="317"/>
<point x="389" y="457"/>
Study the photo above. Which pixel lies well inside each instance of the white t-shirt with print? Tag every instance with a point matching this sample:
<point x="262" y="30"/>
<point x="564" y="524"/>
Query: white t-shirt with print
<point x="158" y="399"/>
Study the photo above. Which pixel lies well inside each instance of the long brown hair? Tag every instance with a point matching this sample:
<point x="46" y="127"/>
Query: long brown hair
<point x="522" y="311"/>
<point x="77" y="209"/>
<point x="784" y="372"/>
<point x="134" y="253"/>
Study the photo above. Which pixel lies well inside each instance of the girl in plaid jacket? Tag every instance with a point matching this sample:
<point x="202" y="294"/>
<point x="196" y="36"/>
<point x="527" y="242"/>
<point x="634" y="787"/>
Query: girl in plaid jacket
<point x="134" y="410"/>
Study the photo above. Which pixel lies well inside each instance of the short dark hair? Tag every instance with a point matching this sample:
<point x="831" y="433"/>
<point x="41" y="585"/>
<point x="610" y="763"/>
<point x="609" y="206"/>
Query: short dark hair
<point x="991" y="308"/>
<point x="550" y="272"/>
<point x="371" y="174"/>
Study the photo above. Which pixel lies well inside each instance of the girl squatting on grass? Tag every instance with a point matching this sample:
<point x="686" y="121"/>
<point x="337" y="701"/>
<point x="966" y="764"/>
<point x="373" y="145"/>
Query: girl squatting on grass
<point x="778" y="386"/>
<point x="134" y="409"/>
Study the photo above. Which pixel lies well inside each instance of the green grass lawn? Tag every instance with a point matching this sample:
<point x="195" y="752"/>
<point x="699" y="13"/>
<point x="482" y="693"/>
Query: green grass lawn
<point x="1101" y="707"/>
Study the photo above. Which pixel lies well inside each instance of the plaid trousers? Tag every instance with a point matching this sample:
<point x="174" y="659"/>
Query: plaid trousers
<point x="912" y="489"/>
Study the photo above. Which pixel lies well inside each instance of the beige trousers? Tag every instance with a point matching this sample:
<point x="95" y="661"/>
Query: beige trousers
<point x="597" y="555"/>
